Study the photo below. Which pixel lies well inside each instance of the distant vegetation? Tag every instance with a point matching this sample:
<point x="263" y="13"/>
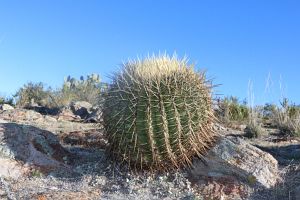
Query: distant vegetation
<point x="5" y="100"/>
<point x="85" y="89"/>
<point x="229" y="111"/>
<point x="285" y="117"/>
<point x="157" y="113"/>
<point x="33" y="93"/>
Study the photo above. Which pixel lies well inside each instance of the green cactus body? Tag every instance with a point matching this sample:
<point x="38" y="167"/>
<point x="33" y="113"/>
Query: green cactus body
<point x="157" y="113"/>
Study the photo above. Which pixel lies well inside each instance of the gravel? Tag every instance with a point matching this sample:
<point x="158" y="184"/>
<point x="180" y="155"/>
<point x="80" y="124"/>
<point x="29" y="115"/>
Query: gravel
<point x="96" y="177"/>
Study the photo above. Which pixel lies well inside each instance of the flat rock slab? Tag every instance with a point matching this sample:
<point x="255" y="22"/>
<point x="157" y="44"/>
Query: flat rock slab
<point x="23" y="147"/>
<point x="236" y="159"/>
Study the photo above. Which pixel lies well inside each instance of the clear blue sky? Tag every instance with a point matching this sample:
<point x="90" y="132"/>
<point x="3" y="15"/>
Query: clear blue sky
<point x="233" y="40"/>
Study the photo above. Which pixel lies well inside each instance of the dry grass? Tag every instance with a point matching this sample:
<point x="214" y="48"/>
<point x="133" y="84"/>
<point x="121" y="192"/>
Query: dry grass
<point x="287" y="119"/>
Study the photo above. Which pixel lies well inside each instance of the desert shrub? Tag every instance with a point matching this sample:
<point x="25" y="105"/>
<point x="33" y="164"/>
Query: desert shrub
<point x="254" y="126"/>
<point x="268" y="112"/>
<point x="231" y="110"/>
<point x="158" y="113"/>
<point x="33" y="93"/>
<point x="7" y="100"/>
<point x="287" y="118"/>
<point x="254" y="130"/>
<point x="88" y="89"/>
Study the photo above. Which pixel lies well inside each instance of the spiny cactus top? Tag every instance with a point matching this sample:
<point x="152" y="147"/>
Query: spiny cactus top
<point x="158" y="114"/>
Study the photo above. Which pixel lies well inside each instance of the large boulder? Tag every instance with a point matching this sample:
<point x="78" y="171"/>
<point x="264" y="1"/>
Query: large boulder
<point x="81" y="108"/>
<point x="95" y="116"/>
<point x="6" y="107"/>
<point x="24" y="147"/>
<point x="20" y="115"/>
<point x="235" y="159"/>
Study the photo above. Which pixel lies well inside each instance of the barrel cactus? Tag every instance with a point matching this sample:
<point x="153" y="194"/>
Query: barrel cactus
<point x="157" y="113"/>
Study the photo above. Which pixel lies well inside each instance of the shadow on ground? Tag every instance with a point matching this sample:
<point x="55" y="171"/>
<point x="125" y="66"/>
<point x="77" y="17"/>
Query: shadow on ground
<point x="288" y="157"/>
<point x="285" y="155"/>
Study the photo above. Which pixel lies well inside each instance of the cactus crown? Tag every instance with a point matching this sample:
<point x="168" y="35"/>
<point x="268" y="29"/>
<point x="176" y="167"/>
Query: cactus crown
<point x="157" y="113"/>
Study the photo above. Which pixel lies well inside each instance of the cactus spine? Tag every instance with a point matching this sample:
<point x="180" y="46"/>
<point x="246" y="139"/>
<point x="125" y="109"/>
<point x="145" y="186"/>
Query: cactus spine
<point x="158" y="114"/>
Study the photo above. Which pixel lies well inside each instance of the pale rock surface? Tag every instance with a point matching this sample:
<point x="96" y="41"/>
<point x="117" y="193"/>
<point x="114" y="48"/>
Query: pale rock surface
<point x="68" y="115"/>
<point x="6" y="107"/>
<point x="23" y="147"/>
<point x="18" y="115"/>
<point x="236" y="159"/>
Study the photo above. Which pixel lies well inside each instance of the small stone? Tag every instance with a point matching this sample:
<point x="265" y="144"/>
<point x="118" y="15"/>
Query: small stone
<point x="53" y="188"/>
<point x="2" y="192"/>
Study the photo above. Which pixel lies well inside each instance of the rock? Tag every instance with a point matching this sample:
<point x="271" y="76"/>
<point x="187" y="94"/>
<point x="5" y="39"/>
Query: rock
<point x="68" y="115"/>
<point x="95" y="116"/>
<point x="61" y="195"/>
<point x="242" y="127"/>
<point x="239" y="127"/>
<point x="18" y="115"/>
<point x="24" y="147"/>
<point x="6" y="107"/>
<point x="235" y="159"/>
<point x="86" y="138"/>
<point x="65" y="122"/>
<point x="5" y="190"/>
<point x="33" y="103"/>
<point x="10" y="168"/>
<point x="43" y="110"/>
<point x="81" y="108"/>
<point x="50" y="119"/>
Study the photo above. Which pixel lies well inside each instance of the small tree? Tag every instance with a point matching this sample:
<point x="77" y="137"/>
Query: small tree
<point x="32" y="93"/>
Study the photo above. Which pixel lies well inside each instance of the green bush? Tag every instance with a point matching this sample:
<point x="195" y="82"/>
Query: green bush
<point x="158" y="113"/>
<point x="33" y="93"/>
<point x="254" y="130"/>
<point x="88" y="89"/>
<point x="231" y="110"/>
<point x="269" y="110"/>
